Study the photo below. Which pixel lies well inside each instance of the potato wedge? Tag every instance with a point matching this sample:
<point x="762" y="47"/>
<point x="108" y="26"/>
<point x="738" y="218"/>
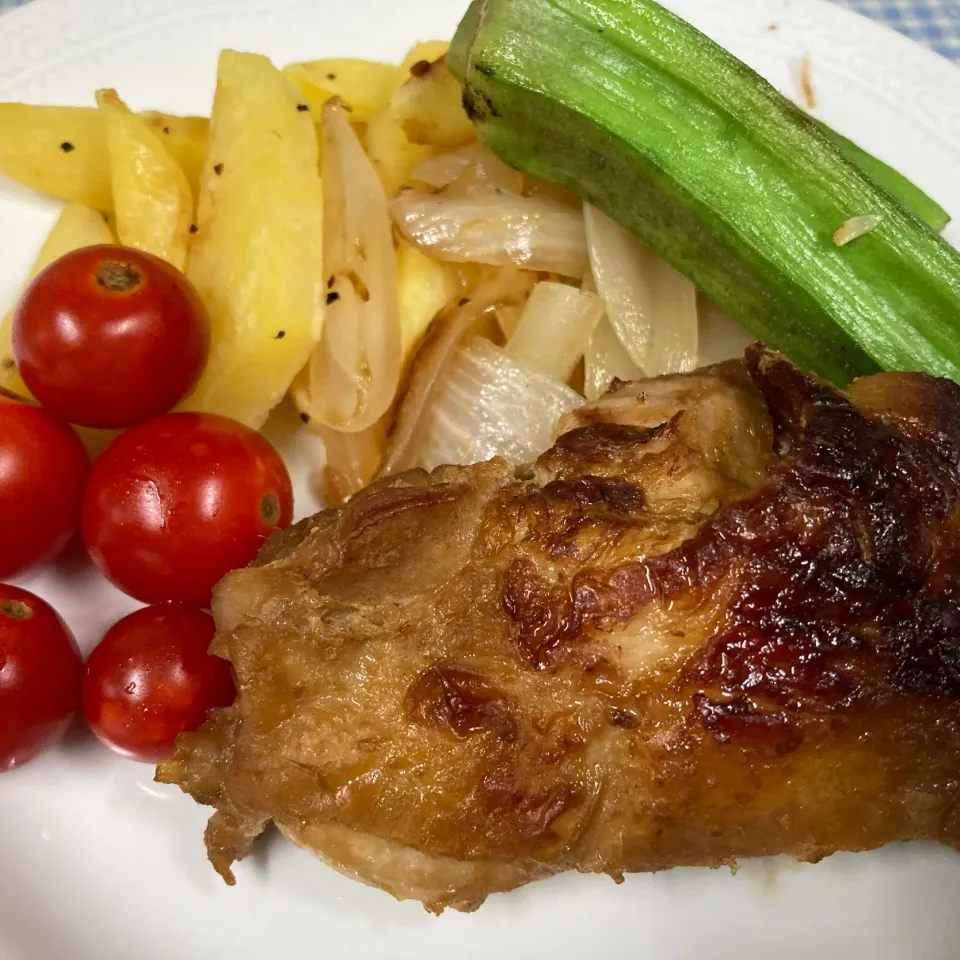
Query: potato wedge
<point x="62" y="151"/>
<point x="57" y="150"/>
<point x="425" y="286"/>
<point x="186" y="140"/>
<point x="364" y="86"/>
<point x="393" y="156"/>
<point x="151" y="196"/>
<point x="429" y="107"/>
<point x="257" y="256"/>
<point x="427" y="51"/>
<point x="78" y="226"/>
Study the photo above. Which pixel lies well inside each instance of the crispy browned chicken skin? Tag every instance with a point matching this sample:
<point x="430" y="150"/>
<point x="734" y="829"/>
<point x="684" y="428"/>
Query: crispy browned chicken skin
<point x="719" y="619"/>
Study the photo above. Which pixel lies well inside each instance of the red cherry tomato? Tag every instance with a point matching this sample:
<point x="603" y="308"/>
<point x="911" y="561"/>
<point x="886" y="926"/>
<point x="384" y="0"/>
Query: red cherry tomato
<point x="175" y="503"/>
<point x="40" y="672"/>
<point x="43" y="467"/>
<point x="150" y="678"/>
<point x="108" y="336"/>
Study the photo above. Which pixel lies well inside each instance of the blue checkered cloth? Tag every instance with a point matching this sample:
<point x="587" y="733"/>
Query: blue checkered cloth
<point x="935" y="23"/>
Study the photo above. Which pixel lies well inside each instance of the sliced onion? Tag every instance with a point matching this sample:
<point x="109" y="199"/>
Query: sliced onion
<point x="606" y="360"/>
<point x="485" y="326"/>
<point x="497" y="228"/>
<point x="353" y="373"/>
<point x="490" y="404"/>
<point x="486" y="174"/>
<point x="652" y="307"/>
<point x="446" y="167"/>
<point x="506" y="288"/>
<point x="555" y="328"/>
<point x="508" y="319"/>
<point x="468" y="169"/>
<point x="353" y="460"/>
<point x="856" y="227"/>
<point x="545" y="190"/>
<point x="721" y="337"/>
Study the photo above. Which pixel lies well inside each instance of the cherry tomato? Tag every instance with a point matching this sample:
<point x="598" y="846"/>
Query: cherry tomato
<point x="150" y="678"/>
<point x="109" y="336"/>
<point x="40" y="672"/>
<point x="43" y="467"/>
<point x="175" y="503"/>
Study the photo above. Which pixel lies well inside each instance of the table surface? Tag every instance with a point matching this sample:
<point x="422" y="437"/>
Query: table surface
<point x="935" y="23"/>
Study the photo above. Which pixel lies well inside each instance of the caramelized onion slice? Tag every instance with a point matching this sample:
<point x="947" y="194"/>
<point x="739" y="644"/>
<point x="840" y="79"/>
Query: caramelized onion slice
<point x="353" y="460"/>
<point x="470" y="169"/>
<point x="505" y="289"/>
<point x="494" y="227"/>
<point x="555" y="328"/>
<point x="651" y="306"/>
<point x="721" y="337"/>
<point x="606" y="360"/>
<point x="489" y="404"/>
<point x="353" y="373"/>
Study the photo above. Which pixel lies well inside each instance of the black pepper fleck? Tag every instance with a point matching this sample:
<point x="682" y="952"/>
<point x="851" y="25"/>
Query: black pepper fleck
<point x="193" y="228"/>
<point x="333" y="296"/>
<point x="166" y="130"/>
<point x="331" y="76"/>
<point x="302" y="107"/>
<point x="218" y="169"/>
<point x="420" y="68"/>
<point x="463" y="301"/>
<point x="331" y="282"/>
<point x="305" y="417"/>
<point x="67" y="146"/>
<point x="280" y="334"/>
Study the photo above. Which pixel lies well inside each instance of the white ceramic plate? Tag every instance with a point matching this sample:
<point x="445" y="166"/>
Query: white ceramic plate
<point x="98" y="863"/>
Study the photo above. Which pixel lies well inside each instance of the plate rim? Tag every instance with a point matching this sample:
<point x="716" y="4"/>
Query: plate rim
<point x="39" y="18"/>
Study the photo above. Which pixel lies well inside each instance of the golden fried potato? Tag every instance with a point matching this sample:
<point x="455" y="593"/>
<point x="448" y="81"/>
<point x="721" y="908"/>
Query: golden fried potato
<point x="57" y="150"/>
<point x="425" y="286"/>
<point x="78" y="226"/>
<point x="151" y="196"/>
<point x="62" y="151"/>
<point x="393" y="156"/>
<point x="186" y="140"/>
<point x="429" y="106"/>
<point x="427" y="51"/>
<point x="257" y="256"/>
<point x="364" y="86"/>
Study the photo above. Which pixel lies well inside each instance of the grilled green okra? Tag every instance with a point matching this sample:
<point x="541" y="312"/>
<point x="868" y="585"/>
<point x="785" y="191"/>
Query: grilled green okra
<point x="633" y="109"/>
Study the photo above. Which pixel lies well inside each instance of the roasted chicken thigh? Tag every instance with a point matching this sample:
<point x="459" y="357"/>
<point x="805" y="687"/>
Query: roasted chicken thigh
<point x="720" y="618"/>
